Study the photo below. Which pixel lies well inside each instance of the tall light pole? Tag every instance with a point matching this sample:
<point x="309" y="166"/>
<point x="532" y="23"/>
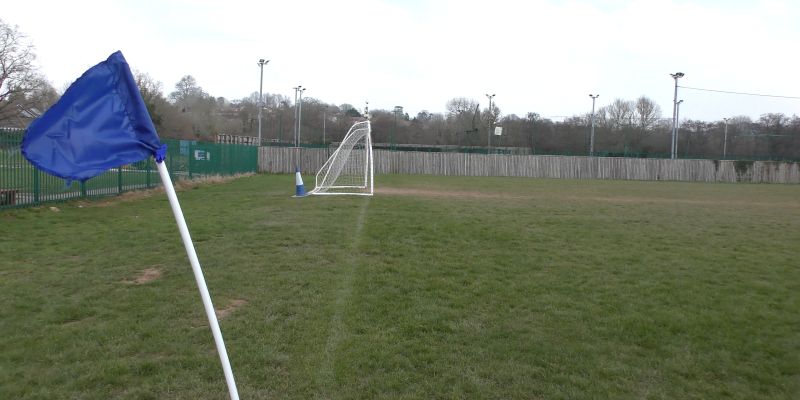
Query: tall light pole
<point x="591" y="136"/>
<point x="674" y="150"/>
<point x="261" y="64"/>
<point x="324" y="119"/>
<point x="677" y="123"/>
<point x="397" y="110"/>
<point x="300" y="116"/>
<point x="725" y="140"/>
<point x="297" y="89"/>
<point x="491" y="122"/>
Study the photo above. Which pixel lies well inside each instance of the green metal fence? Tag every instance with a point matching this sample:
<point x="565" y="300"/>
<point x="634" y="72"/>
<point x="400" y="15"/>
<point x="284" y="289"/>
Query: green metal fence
<point x="23" y="185"/>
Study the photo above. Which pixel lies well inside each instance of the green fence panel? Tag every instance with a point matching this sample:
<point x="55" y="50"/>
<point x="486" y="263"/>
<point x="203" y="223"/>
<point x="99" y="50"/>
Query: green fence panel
<point x="206" y="159"/>
<point x="22" y="185"/>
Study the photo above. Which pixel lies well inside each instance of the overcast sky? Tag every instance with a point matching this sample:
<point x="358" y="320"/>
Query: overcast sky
<point x="536" y="56"/>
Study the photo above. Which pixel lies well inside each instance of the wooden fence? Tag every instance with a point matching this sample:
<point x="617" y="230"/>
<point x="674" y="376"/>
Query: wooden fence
<point x="283" y="160"/>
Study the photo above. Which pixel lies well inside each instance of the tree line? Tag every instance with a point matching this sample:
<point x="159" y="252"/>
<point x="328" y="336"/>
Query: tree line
<point x="622" y="128"/>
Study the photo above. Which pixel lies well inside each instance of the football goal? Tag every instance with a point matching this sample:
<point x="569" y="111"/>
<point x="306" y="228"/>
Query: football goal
<point x="349" y="169"/>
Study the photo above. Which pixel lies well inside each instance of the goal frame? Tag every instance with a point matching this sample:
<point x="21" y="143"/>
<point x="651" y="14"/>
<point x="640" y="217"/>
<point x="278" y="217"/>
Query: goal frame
<point x="347" y="145"/>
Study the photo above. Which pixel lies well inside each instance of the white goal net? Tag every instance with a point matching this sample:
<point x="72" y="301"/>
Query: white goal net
<point x="349" y="169"/>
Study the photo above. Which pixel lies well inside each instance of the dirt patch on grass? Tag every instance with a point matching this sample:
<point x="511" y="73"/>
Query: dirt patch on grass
<point x="180" y="185"/>
<point x="444" y="193"/>
<point x="233" y="305"/>
<point x="123" y="198"/>
<point x="715" y="202"/>
<point x="147" y="276"/>
<point x="81" y="321"/>
<point x="211" y="179"/>
<point x="463" y="194"/>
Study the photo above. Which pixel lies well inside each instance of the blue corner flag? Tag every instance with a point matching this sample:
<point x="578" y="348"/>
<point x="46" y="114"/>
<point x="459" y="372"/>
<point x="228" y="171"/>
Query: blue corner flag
<point x="100" y="122"/>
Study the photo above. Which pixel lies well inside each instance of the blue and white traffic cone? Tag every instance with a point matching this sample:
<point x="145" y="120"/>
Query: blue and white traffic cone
<point x="300" y="190"/>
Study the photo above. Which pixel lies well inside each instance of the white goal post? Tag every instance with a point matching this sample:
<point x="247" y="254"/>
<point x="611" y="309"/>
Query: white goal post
<point x="349" y="170"/>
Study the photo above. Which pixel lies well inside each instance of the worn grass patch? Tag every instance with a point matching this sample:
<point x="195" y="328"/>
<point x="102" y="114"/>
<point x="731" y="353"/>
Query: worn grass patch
<point x="146" y="276"/>
<point x="433" y="288"/>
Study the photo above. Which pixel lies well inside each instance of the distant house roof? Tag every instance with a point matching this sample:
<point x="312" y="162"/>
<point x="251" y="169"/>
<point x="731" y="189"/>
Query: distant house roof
<point x="28" y="113"/>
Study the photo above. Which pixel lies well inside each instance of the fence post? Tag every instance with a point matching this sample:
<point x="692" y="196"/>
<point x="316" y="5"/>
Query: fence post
<point x="83" y="188"/>
<point x="119" y="180"/>
<point x="191" y="156"/>
<point x="147" y="173"/>
<point x="36" y="186"/>
<point x="173" y="177"/>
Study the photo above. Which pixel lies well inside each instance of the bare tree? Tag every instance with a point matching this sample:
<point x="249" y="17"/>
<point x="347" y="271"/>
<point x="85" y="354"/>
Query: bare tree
<point x="463" y="119"/>
<point x="460" y="105"/>
<point x="774" y="123"/>
<point x="647" y="112"/>
<point x="601" y="118"/>
<point x="151" y="91"/>
<point x="491" y="116"/>
<point x="18" y="76"/>
<point x="620" y="113"/>
<point x="200" y="107"/>
<point x="42" y="96"/>
<point x="423" y="116"/>
<point x="187" y="92"/>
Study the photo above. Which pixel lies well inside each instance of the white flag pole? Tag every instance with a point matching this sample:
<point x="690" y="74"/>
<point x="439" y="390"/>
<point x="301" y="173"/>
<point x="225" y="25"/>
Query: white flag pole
<point x="198" y="275"/>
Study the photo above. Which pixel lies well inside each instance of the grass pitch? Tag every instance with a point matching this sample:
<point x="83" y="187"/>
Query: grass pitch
<point x="434" y="288"/>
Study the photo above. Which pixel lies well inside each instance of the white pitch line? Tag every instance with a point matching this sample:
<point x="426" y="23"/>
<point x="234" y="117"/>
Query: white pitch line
<point x="325" y="376"/>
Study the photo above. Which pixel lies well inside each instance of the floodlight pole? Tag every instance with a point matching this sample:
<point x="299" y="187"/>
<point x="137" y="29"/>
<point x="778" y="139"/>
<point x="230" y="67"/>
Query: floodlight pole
<point x="725" y="140"/>
<point x="394" y="131"/>
<point x="674" y="149"/>
<point x="397" y="110"/>
<point x="491" y="122"/>
<point x="300" y="116"/>
<point x="591" y="136"/>
<point x="677" y="124"/>
<point x="294" y="127"/>
<point x="261" y="64"/>
<point x="296" y="89"/>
